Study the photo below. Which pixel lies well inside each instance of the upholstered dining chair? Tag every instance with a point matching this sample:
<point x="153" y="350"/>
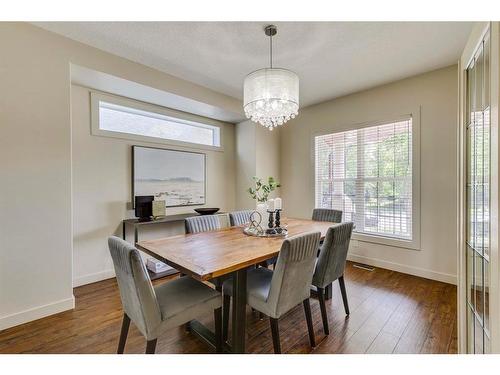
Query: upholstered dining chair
<point x="205" y="223"/>
<point x="274" y="293"/>
<point x="333" y="216"/>
<point x="240" y="217"/>
<point x="157" y="309"/>
<point x="327" y="214"/>
<point x="331" y="264"/>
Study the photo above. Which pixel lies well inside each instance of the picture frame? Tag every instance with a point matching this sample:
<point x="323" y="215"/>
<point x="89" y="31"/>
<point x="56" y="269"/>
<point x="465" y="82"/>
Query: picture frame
<point x="176" y="176"/>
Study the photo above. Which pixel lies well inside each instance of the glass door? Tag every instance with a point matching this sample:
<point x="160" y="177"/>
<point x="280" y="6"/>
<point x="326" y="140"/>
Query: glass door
<point x="478" y="200"/>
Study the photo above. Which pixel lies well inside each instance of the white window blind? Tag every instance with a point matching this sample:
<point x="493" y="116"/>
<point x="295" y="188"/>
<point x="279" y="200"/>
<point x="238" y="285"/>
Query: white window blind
<point x="367" y="173"/>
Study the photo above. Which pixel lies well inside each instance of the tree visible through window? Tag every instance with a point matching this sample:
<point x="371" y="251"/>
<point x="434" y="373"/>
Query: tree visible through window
<point x="367" y="173"/>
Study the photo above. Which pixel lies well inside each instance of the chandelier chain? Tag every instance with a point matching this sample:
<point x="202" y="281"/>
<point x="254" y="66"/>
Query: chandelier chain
<point x="271" y="50"/>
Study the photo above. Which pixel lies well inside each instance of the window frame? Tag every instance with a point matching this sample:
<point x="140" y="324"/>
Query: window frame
<point x="178" y="116"/>
<point x="414" y="243"/>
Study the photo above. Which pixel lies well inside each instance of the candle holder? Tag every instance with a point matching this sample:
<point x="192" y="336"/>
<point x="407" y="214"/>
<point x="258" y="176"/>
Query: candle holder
<point x="271" y="229"/>
<point x="277" y="224"/>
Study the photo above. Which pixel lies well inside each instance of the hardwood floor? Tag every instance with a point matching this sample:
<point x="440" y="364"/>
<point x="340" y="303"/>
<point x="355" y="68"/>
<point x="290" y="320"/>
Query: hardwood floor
<point x="390" y="313"/>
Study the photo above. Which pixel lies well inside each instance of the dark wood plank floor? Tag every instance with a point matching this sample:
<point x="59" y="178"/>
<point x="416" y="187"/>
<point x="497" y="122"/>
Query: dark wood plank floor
<point x="390" y="313"/>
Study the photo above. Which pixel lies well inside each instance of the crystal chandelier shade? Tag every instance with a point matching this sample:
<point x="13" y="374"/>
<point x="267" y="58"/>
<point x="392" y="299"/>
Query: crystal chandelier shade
<point x="271" y="95"/>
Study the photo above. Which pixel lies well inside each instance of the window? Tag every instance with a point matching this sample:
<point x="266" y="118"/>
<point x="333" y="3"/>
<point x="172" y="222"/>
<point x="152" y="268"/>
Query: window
<point x="367" y="173"/>
<point x="133" y="120"/>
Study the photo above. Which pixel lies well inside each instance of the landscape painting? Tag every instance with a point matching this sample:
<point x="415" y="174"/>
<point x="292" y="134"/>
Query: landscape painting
<point x="178" y="177"/>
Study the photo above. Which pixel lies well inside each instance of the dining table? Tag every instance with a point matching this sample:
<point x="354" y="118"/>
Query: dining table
<point x="226" y="252"/>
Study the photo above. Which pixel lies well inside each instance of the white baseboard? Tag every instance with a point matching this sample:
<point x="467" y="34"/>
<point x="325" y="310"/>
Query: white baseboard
<point x="93" y="278"/>
<point x="36" y="313"/>
<point x="403" y="268"/>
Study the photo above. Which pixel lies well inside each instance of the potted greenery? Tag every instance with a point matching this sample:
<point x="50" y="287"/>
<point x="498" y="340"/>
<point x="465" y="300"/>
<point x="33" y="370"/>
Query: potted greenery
<point x="260" y="193"/>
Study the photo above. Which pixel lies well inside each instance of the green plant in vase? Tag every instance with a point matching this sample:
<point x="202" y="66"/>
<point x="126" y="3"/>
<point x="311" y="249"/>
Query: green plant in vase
<point x="261" y="191"/>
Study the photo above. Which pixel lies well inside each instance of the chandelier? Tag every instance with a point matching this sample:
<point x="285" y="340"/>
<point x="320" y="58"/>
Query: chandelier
<point x="271" y="95"/>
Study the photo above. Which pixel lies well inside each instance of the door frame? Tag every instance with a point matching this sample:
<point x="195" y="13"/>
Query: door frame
<point x="476" y="37"/>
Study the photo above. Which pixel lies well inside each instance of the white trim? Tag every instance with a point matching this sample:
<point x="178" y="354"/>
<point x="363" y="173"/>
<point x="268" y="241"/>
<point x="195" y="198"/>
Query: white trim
<point x="403" y="268"/>
<point x="388" y="241"/>
<point x="414" y="114"/>
<point x="461" y="196"/>
<point x="495" y="186"/>
<point x="93" y="278"/>
<point x="96" y="97"/>
<point x="35" y="313"/>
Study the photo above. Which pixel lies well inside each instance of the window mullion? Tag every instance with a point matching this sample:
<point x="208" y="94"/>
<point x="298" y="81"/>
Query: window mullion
<point x="359" y="204"/>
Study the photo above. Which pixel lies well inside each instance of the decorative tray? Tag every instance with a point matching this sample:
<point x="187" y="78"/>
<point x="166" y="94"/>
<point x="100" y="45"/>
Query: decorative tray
<point x="252" y="231"/>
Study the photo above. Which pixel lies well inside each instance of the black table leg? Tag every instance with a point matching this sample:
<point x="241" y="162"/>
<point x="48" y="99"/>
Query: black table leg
<point x="239" y="311"/>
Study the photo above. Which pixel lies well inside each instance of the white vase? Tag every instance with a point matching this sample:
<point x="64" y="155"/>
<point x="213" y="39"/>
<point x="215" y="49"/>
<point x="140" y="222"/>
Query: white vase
<point x="262" y="210"/>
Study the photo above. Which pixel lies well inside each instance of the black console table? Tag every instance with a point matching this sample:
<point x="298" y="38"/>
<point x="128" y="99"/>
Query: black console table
<point x="136" y="225"/>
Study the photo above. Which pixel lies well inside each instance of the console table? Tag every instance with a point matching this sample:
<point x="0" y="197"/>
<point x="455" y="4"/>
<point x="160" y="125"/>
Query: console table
<point x="136" y="225"/>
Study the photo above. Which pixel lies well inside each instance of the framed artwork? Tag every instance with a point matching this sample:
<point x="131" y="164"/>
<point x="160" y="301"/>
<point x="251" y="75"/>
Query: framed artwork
<point x="178" y="177"/>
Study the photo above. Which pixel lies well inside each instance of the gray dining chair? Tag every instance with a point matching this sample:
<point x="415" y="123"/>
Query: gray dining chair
<point x="333" y="216"/>
<point x="274" y="293"/>
<point x="240" y="217"/>
<point x="331" y="264"/>
<point x="327" y="214"/>
<point x="157" y="309"/>
<point x="205" y="223"/>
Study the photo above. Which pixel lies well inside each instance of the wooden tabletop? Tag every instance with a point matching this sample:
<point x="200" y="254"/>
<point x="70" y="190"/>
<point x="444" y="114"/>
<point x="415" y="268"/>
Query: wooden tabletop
<point x="211" y="254"/>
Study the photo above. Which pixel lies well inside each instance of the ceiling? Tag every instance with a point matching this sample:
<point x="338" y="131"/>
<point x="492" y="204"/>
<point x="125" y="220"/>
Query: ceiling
<point x="331" y="58"/>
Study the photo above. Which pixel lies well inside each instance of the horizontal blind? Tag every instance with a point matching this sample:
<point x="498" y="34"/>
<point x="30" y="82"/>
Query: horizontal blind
<point x="367" y="173"/>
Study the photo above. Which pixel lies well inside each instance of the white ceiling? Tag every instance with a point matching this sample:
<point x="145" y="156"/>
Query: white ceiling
<point x="331" y="58"/>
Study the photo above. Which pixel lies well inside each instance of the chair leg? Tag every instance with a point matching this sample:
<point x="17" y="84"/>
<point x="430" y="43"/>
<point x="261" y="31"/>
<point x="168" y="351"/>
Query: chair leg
<point x="123" y="334"/>
<point x="151" y="346"/>
<point x="276" y="335"/>
<point x="328" y="292"/>
<point x="344" y="294"/>
<point x="310" y="326"/>
<point x="218" y="329"/>
<point x="226" y="303"/>
<point x="322" y="306"/>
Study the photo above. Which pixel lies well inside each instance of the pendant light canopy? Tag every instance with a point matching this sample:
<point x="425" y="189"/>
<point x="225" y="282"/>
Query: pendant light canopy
<point x="271" y="95"/>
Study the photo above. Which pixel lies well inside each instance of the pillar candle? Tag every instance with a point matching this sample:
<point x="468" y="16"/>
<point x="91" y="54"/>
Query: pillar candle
<point x="270" y="205"/>
<point x="277" y="204"/>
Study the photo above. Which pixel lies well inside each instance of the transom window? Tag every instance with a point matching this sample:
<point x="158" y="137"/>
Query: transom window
<point x="128" y="119"/>
<point x="367" y="173"/>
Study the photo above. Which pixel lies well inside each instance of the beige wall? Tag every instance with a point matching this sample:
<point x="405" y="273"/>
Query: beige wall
<point x="102" y="189"/>
<point x="257" y="151"/>
<point x="36" y="149"/>
<point x="35" y="159"/>
<point x="436" y="95"/>
<point x="246" y="163"/>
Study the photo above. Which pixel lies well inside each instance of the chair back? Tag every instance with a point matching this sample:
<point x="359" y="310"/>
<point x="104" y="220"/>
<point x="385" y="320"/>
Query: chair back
<point x="333" y="254"/>
<point x="292" y="276"/>
<point x="205" y="223"/>
<point x="240" y="217"/>
<point x="136" y="291"/>
<point x="327" y="214"/>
